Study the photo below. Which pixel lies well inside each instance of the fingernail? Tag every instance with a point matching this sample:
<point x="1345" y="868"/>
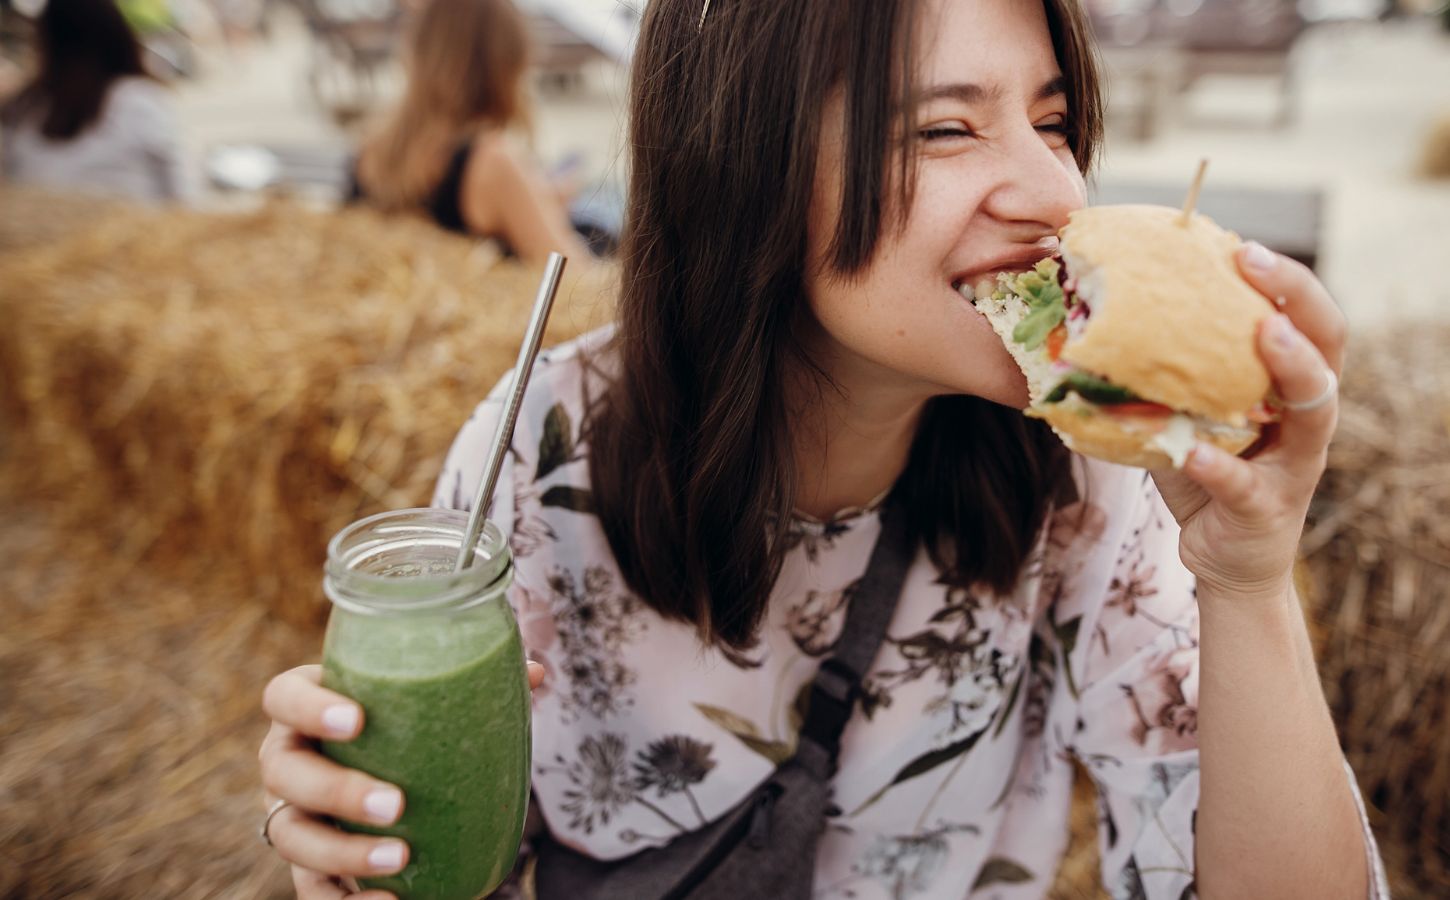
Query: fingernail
<point x="1282" y="333"/>
<point x="1202" y="458"/>
<point x="1258" y="257"/>
<point x="383" y="805"/>
<point x="341" y="719"/>
<point x="386" y="857"/>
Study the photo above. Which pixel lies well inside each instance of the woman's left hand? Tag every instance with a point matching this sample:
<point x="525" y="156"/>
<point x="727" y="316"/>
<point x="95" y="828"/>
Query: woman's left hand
<point x="1241" y="519"/>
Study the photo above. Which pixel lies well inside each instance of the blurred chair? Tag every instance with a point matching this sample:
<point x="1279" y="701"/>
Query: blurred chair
<point x="353" y="42"/>
<point x="1156" y="50"/>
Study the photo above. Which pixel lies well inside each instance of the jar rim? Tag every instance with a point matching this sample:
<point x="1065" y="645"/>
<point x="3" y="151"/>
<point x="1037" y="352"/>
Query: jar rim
<point x="369" y="593"/>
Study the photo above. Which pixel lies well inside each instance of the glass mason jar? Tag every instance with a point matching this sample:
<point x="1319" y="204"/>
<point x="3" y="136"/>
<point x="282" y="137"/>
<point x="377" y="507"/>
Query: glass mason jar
<point x="435" y="660"/>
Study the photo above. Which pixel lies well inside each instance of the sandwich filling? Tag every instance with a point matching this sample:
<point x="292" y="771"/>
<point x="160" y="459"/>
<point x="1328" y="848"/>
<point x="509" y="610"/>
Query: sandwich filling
<point x="1037" y="313"/>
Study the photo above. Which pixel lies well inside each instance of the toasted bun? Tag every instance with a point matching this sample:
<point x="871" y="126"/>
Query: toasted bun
<point x="1123" y="439"/>
<point x="1172" y="319"/>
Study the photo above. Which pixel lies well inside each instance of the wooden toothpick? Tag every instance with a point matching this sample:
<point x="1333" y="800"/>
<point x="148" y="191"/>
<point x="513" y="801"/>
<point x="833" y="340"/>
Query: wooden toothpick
<point x="1192" y="201"/>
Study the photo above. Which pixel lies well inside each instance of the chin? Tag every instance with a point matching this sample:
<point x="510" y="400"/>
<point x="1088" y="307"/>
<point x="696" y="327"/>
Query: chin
<point x="988" y="371"/>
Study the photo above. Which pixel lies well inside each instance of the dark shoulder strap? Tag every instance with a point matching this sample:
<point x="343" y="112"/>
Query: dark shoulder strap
<point x="446" y="204"/>
<point x="871" y="604"/>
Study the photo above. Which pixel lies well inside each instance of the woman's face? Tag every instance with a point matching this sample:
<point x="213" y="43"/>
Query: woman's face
<point x="996" y="179"/>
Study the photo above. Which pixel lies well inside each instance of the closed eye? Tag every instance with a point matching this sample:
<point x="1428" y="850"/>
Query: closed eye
<point x="1058" y="124"/>
<point x="943" y="132"/>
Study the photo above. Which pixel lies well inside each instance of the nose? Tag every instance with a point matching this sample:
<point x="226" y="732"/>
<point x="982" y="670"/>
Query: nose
<point x="1037" y="184"/>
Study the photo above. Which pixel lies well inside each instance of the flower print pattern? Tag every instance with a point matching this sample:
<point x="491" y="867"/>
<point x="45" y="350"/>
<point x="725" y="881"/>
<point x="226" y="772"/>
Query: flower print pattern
<point x="602" y="785"/>
<point x="531" y="531"/>
<point x="673" y="765"/>
<point x="1079" y="523"/>
<point x="595" y="624"/>
<point x="1165" y="703"/>
<point x="908" y="865"/>
<point x="1127" y="590"/>
<point x="600" y="782"/>
<point x="960" y="655"/>
<point x="1041" y="679"/>
<point x="814" y="538"/>
<point x="815" y="622"/>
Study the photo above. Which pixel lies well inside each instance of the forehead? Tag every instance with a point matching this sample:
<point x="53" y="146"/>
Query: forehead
<point x="995" y="43"/>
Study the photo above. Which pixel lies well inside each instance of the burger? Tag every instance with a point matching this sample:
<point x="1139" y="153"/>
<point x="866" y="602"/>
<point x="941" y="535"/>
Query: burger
<point x="1138" y="339"/>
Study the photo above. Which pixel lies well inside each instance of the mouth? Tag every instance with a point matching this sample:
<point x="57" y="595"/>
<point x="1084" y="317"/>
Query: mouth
<point x="975" y="284"/>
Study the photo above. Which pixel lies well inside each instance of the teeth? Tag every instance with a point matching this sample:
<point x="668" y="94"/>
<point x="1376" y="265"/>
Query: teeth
<point x="986" y="287"/>
<point x="966" y="291"/>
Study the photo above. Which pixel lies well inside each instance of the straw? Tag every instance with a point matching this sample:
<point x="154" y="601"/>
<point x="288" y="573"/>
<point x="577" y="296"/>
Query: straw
<point x="504" y="434"/>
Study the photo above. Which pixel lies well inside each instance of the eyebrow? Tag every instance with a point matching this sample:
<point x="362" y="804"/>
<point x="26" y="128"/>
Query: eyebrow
<point x="976" y="93"/>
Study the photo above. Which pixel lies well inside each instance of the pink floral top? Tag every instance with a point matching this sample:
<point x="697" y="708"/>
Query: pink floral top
<point x="956" y="771"/>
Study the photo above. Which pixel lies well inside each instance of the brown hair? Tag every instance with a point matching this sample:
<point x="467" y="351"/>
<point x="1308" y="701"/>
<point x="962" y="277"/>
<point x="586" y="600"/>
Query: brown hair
<point x="465" y="62"/>
<point x="691" y="454"/>
<point x="85" y="46"/>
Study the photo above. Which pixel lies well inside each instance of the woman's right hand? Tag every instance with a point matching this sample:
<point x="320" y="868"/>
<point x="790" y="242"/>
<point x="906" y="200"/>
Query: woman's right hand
<point x="325" y="859"/>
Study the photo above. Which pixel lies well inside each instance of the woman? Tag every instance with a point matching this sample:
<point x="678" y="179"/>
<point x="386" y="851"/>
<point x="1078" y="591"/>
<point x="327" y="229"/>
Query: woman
<point x="445" y="150"/>
<point x="92" y="119"/>
<point x="811" y="181"/>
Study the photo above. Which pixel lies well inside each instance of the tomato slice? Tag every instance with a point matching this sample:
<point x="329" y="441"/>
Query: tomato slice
<point x="1139" y="408"/>
<point x="1264" y="413"/>
<point x="1055" y="339"/>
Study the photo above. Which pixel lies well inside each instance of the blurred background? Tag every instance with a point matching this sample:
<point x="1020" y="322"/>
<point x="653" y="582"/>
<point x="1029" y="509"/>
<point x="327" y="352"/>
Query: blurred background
<point x="252" y="282"/>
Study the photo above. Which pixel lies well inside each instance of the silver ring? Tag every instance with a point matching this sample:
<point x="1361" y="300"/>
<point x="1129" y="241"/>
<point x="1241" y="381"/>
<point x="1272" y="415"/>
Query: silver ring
<point x="1331" y="388"/>
<point x="267" y="822"/>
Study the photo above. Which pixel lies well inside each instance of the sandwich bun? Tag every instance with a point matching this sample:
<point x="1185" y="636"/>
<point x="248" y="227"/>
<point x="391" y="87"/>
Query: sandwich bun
<point x="1162" y="353"/>
<point x="1173" y="319"/>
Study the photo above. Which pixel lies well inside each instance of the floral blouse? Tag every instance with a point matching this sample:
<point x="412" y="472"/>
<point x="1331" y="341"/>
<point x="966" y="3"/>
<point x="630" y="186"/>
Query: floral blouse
<point x="956" y="770"/>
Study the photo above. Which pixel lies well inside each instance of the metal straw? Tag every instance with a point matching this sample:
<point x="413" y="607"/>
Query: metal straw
<point x="543" y="303"/>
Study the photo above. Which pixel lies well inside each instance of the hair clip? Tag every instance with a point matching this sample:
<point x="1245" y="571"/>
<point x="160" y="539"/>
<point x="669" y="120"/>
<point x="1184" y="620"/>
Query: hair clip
<point x="704" y="12"/>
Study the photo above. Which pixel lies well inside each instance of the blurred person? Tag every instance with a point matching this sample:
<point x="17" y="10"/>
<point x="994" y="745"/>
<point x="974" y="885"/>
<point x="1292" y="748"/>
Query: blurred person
<point x="446" y="151"/>
<point x="92" y="118"/>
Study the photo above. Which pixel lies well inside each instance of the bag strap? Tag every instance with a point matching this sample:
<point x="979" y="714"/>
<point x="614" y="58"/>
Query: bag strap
<point x="871" y="602"/>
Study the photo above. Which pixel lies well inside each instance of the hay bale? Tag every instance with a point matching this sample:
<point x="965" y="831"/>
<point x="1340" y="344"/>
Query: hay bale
<point x="250" y="383"/>
<point x="129" y="720"/>
<point x="32" y="217"/>
<point x="1378" y="555"/>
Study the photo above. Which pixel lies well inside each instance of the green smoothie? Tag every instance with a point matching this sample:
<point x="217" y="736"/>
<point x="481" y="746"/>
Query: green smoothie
<point x="446" y="704"/>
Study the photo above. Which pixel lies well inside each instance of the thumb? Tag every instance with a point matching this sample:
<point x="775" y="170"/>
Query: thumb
<point x="1233" y="483"/>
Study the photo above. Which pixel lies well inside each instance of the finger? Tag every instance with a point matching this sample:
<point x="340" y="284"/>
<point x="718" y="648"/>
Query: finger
<point x="297" y="698"/>
<point x="301" y="775"/>
<point x="317" y="886"/>
<point x="536" y="675"/>
<point x="1231" y="482"/>
<point x="312" y="885"/>
<point x="307" y="842"/>
<point x="1301" y="376"/>
<point x="1299" y="294"/>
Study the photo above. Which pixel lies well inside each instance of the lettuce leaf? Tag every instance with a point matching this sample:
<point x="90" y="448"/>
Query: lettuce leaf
<point x="1046" y="304"/>
<point x="1092" y="389"/>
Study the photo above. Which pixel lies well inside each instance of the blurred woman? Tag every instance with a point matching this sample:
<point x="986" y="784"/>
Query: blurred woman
<point x="92" y="118"/>
<point x="445" y="149"/>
